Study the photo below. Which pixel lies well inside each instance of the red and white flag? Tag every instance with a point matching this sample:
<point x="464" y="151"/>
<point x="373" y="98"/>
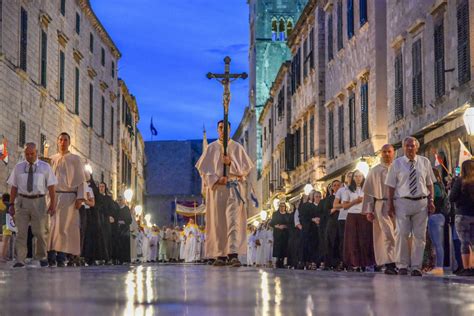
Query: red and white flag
<point x="438" y="161"/>
<point x="4" y="151"/>
<point x="464" y="153"/>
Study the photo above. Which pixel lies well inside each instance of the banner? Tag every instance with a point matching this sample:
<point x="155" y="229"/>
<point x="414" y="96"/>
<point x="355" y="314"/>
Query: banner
<point x="190" y="211"/>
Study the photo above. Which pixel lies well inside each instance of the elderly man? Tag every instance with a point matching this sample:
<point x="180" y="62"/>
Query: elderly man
<point x="410" y="198"/>
<point x="30" y="181"/>
<point x="375" y="207"/>
<point x="65" y="237"/>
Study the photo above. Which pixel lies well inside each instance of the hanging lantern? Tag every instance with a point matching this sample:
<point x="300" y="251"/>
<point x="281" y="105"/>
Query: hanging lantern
<point x="363" y="167"/>
<point x="263" y="215"/>
<point x="308" y="189"/>
<point x="469" y="121"/>
<point x="128" y="195"/>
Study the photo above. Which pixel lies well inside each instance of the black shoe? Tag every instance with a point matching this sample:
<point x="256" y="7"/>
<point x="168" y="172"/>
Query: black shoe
<point x="416" y="273"/>
<point x="402" y="271"/>
<point x="467" y="272"/>
<point x="458" y="271"/>
<point x="61" y="264"/>
<point x="18" y="265"/>
<point x="390" y="271"/>
<point x="52" y="263"/>
<point x="43" y="263"/>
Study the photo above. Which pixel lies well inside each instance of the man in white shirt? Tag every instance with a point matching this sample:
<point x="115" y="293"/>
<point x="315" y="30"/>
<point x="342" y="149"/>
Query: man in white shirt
<point x="30" y="181"/>
<point x="410" y="180"/>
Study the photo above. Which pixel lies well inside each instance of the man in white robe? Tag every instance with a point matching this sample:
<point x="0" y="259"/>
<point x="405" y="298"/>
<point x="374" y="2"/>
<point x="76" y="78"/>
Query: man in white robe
<point x="375" y="206"/>
<point x="191" y="231"/>
<point x="225" y="209"/>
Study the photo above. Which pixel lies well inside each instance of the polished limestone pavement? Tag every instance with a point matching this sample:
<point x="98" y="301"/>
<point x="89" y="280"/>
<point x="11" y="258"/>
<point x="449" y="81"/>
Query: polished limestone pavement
<point x="206" y="290"/>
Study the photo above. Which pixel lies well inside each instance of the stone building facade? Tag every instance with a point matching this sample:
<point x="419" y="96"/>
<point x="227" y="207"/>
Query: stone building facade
<point x="356" y="82"/>
<point x="58" y="72"/>
<point x="430" y="65"/>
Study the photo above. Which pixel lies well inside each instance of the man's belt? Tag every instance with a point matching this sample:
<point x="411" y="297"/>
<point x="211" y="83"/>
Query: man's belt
<point x="73" y="192"/>
<point x="37" y="196"/>
<point x="384" y="199"/>
<point x="414" y="198"/>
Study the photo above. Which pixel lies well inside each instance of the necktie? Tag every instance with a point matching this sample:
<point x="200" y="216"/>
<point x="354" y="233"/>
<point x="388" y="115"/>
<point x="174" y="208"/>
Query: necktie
<point x="412" y="179"/>
<point x="29" y="183"/>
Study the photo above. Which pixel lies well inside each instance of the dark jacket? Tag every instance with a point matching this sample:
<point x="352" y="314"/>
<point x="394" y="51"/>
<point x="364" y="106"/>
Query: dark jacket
<point x="464" y="201"/>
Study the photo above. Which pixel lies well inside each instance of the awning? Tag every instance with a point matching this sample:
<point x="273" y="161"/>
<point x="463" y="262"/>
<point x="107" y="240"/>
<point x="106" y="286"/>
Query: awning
<point x="339" y="172"/>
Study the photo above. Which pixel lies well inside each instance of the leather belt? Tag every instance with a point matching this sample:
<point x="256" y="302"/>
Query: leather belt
<point x="73" y="192"/>
<point x="381" y="199"/>
<point x="37" y="196"/>
<point x="414" y="198"/>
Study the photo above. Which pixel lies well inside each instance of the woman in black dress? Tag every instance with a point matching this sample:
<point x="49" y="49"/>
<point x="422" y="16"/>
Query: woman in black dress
<point x="280" y="222"/>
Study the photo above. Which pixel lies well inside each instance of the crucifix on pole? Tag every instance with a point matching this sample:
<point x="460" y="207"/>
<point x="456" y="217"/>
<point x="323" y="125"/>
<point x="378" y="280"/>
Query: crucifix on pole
<point x="225" y="80"/>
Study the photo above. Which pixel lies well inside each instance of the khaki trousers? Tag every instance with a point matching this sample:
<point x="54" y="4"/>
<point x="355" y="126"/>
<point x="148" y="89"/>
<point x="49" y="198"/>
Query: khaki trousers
<point x="412" y="220"/>
<point x="384" y="234"/>
<point x="32" y="211"/>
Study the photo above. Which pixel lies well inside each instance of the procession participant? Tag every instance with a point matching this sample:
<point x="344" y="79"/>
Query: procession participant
<point x="251" y="246"/>
<point x="122" y="242"/>
<point x="307" y="223"/>
<point x="153" y="244"/>
<point x="162" y="252"/>
<point x="333" y="257"/>
<point x="30" y="181"/>
<point x="106" y="212"/>
<point x="225" y="213"/>
<point x="64" y="235"/>
<point x="261" y="241"/>
<point x="375" y="207"/>
<point x="134" y="230"/>
<point x="85" y="214"/>
<point x="269" y="244"/>
<point x="342" y="215"/>
<point x="182" y="245"/>
<point x="358" y="240"/>
<point x="410" y="180"/>
<point x="280" y="222"/>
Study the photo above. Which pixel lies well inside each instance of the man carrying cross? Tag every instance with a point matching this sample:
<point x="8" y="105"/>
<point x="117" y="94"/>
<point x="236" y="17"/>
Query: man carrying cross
<point x="226" y="217"/>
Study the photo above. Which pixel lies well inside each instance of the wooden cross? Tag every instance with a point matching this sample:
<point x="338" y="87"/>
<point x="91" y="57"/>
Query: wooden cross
<point x="226" y="79"/>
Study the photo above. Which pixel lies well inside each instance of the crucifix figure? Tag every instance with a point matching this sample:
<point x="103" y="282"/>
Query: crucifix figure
<point x="226" y="79"/>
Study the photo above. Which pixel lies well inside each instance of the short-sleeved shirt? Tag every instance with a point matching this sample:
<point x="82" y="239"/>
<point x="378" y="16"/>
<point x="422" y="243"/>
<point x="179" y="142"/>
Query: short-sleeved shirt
<point x="350" y="196"/>
<point x="339" y="195"/>
<point x="89" y="196"/>
<point x="43" y="177"/>
<point x="398" y="176"/>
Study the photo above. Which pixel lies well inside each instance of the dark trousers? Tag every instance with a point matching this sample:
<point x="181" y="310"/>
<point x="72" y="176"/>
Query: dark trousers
<point x="58" y="256"/>
<point x="332" y="255"/>
<point x="358" y="242"/>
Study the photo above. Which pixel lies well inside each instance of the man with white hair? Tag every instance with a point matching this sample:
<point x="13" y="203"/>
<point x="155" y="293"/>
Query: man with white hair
<point x="410" y="197"/>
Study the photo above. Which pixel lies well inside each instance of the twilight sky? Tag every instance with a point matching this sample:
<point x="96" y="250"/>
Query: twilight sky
<point x="167" y="48"/>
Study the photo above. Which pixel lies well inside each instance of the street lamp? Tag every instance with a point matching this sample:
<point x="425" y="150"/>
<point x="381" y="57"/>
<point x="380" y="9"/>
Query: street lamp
<point x="255" y="223"/>
<point x="276" y="204"/>
<point x="469" y="121"/>
<point x="138" y="210"/>
<point x="148" y="219"/>
<point x="308" y="189"/>
<point x="88" y="168"/>
<point x="363" y="167"/>
<point x="263" y="215"/>
<point x="128" y="195"/>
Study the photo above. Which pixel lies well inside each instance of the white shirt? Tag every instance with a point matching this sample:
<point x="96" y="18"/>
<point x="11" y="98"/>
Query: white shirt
<point x="350" y="196"/>
<point x="43" y="177"/>
<point x="399" y="174"/>
<point x="89" y="196"/>
<point x="339" y="195"/>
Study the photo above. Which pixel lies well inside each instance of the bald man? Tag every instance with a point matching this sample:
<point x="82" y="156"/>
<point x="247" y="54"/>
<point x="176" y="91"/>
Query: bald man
<point x="375" y="207"/>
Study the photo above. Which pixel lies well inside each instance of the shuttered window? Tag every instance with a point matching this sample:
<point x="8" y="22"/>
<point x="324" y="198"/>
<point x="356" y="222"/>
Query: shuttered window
<point x="362" y="12"/>
<point x="91" y="105"/>
<point x="298" y="147"/>
<point x="44" y="58"/>
<point x="23" y="38"/>
<point x="464" y="56"/>
<point x="439" y="59"/>
<point x="340" y="116"/>
<point x="305" y="141"/>
<point x="311" y="49"/>
<point x="311" y="136"/>
<point x="290" y="152"/>
<point x="399" y="112"/>
<point x="91" y="42"/>
<point x="42" y="143"/>
<point x="22" y="134"/>
<point x="102" y="115"/>
<point x="112" y="116"/>
<point x="330" y="38"/>
<point x="298" y="68"/>
<point x="102" y="56"/>
<point x="352" y="122"/>
<point x="62" y="69"/>
<point x="77" y="80"/>
<point x="331" y="134"/>
<point x="78" y="23"/>
<point x="112" y="70"/>
<point x="364" y="110"/>
<point x="339" y="25"/>
<point x="62" y="8"/>
<point x="281" y="104"/>
<point x="350" y="18"/>
<point x="417" y="80"/>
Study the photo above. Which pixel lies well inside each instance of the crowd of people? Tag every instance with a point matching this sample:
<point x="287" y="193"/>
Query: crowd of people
<point x="392" y="220"/>
<point x="56" y="215"/>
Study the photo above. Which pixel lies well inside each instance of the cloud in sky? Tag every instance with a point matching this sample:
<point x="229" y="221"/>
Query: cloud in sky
<point x="168" y="46"/>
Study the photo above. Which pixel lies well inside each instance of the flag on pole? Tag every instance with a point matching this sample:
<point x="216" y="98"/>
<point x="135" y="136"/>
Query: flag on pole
<point x="4" y="151"/>
<point x="464" y="153"/>
<point x="253" y="197"/>
<point x="438" y="161"/>
<point x="153" y="130"/>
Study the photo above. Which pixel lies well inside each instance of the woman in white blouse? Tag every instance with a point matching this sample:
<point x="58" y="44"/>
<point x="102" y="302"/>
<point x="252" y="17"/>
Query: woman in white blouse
<point x="358" y="241"/>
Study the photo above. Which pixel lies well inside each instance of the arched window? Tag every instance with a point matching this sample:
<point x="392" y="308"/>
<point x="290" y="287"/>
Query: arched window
<point x="289" y="27"/>
<point x="281" y="29"/>
<point x="274" y="29"/>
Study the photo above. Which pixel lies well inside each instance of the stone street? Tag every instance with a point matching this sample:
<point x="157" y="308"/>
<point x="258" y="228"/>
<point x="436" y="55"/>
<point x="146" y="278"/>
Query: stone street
<point x="205" y="290"/>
